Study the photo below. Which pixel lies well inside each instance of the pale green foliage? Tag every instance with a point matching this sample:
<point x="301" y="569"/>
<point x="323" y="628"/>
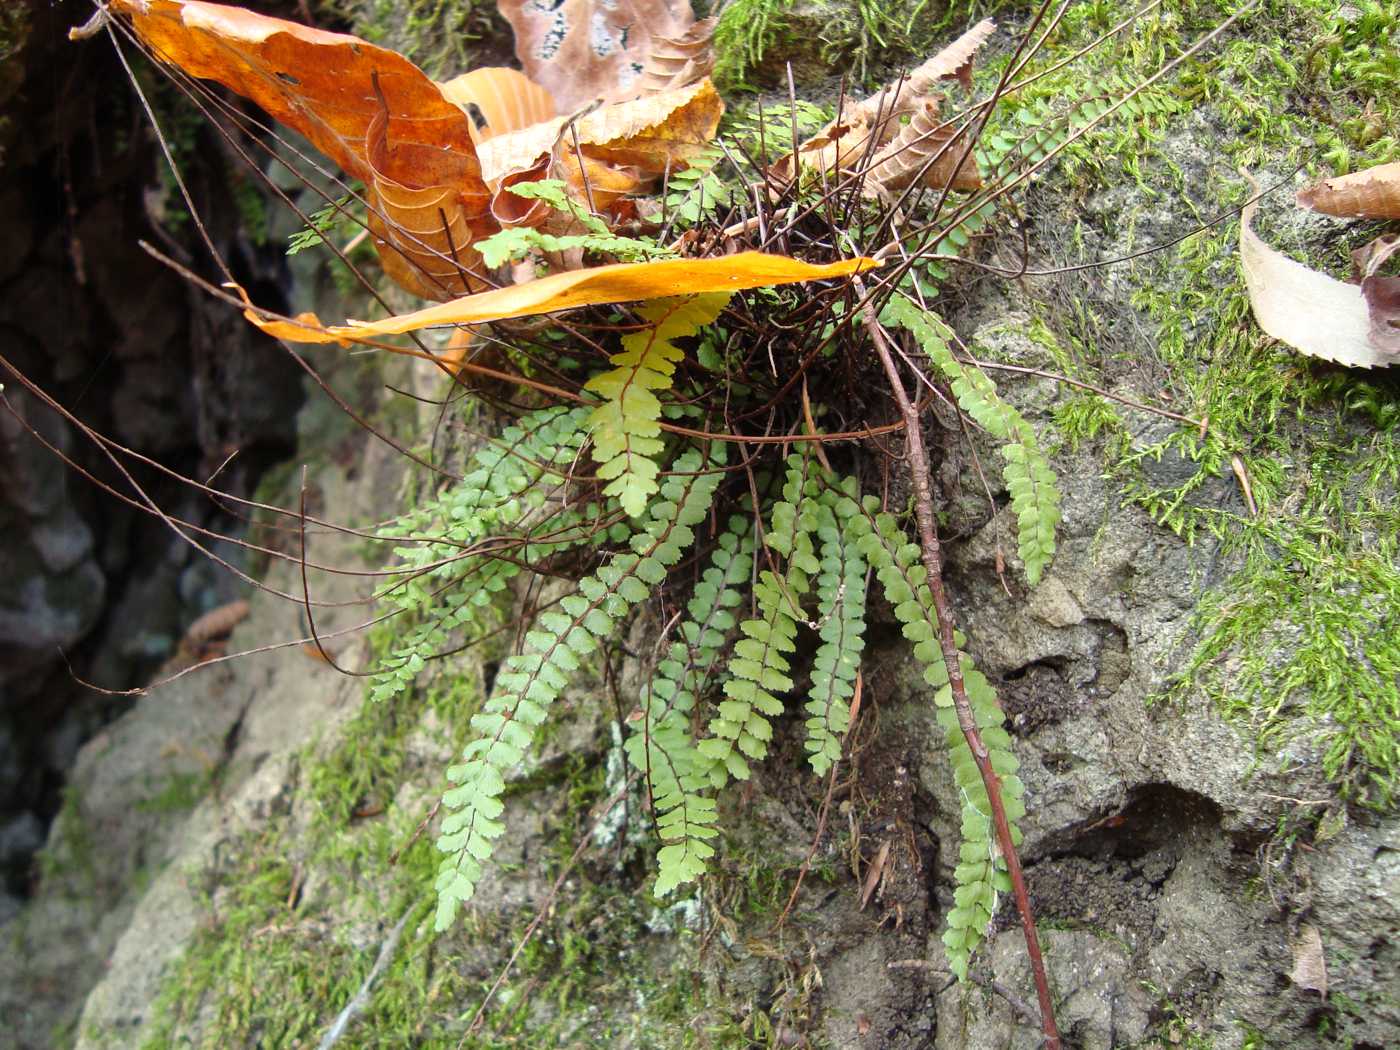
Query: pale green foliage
<point x="1043" y="128"/>
<point x="322" y="223"/>
<point x="841" y="615"/>
<point x="626" y="427"/>
<point x="512" y="486"/>
<point x="513" y="244"/>
<point x="531" y="680"/>
<point x="661" y="744"/>
<point x="760" y="666"/>
<point x="980" y="873"/>
<point x="1035" y="495"/>
<point x="696" y="191"/>
<point x="744" y="31"/>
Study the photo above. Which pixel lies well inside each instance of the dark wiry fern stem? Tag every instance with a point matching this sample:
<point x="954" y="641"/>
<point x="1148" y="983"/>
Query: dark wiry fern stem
<point x="933" y="565"/>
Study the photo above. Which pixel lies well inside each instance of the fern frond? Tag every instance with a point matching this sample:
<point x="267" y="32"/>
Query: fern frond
<point x="841" y="613"/>
<point x="1035" y="494"/>
<point x="512" y="245"/>
<point x="696" y="191"/>
<point x="981" y="873"/>
<point x="662" y="744"/>
<point x="531" y="680"/>
<point x="504" y="491"/>
<point x="625" y="427"/>
<point x="759" y="667"/>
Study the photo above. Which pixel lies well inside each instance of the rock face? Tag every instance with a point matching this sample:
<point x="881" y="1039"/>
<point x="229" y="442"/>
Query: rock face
<point x="221" y="873"/>
<point x="91" y="586"/>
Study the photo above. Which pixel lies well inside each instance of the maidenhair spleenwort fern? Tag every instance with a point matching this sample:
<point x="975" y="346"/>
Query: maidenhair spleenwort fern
<point x="760" y="667"/>
<point x="530" y="681"/>
<point x="626" y="427"/>
<point x="841" y="620"/>
<point x="512" y="490"/>
<point x="661" y="742"/>
<point x="825" y="539"/>
<point x="980" y="874"/>
<point x="1035" y="495"/>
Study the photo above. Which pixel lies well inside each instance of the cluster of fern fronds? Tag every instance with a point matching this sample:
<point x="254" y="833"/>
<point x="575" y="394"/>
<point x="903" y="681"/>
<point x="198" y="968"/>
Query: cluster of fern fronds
<point x="651" y="470"/>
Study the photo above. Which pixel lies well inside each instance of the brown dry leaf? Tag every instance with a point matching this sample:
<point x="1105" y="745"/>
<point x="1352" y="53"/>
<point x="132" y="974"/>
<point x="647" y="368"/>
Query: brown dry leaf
<point x="846" y="139"/>
<point x="1382" y="294"/>
<point x="618" y="283"/>
<point x="676" y="62"/>
<point x="1309" y="962"/>
<point x="584" y="50"/>
<point x="922" y="140"/>
<point x="874" y="873"/>
<point x="216" y="623"/>
<point x="667" y="127"/>
<point x="372" y="111"/>
<point x="1310" y="311"/>
<point x="954" y="62"/>
<point x="1370" y="194"/>
<point x="499" y="101"/>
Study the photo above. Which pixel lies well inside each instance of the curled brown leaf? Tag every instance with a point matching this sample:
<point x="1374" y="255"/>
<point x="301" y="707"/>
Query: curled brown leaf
<point x="1314" y="313"/>
<point x="1370" y="194"/>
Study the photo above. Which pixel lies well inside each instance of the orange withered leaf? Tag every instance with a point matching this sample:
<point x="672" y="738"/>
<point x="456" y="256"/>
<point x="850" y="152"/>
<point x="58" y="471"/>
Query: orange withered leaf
<point x="611" y="152"/>
<point x="618" y="283"/>
<point x="369" y="109"/>
<point x="499" y="100"/>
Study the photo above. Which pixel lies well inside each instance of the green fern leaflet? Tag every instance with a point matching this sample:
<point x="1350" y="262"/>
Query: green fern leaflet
<point x="626" y="426"/>
<point x="1035" y="493"/>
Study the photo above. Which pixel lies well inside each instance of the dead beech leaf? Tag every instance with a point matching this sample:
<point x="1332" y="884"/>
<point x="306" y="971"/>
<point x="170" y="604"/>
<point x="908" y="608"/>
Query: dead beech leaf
<point x="294" y="331"/>
<point x="666" y="128"/>
<point x="679" y="61"/>
<point x="1309" y="962"/>
<point x="954" y="62"/>
<point x="584" y="50"/>
<point x="618" y="283"/>
<point x="1370" y="194"/>
<point x="925" y="151"/>
<point x="498" y="101"/>
<point x="369" y="109"/>
<point x="1382" y="295"/>
<point x="1310" y="311"/>
<point x="847" y="139"/>
<point x="320" y="83"/>
<point x="430" y="225"/>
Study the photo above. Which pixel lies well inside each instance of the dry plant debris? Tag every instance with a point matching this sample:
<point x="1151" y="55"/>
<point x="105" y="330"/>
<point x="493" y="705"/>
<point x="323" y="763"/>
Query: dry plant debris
<point x="870" y="134"/>
<point x="1355" y="324"/>
<point x="438" y="159"/>
<point x="1370" y="194"/>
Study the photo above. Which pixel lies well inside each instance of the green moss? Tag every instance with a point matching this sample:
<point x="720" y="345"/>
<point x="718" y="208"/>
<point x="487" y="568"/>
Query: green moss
<point x="180" y="792"/>
<point x="70" y="850"/>
<point x="863" y="40"/>
<point x="444" y="37"/>
<point x="1294" y="643"/>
